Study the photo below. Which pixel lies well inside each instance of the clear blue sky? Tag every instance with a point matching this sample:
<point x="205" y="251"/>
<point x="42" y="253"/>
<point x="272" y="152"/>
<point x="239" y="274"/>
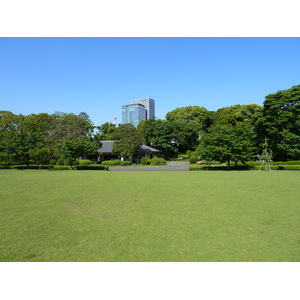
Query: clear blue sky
<point x="99" y="75"/>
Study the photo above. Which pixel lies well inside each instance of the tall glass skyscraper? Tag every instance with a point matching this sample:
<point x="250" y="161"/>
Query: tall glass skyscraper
<point x="138" y="110"/>
<point x="133" y="113"/>
<point x="149" y="104"/>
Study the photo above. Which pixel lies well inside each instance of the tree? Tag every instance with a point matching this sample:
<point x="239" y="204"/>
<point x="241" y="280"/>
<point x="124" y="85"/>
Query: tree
<point x="234" y="114"/>
<point x="72" y="149"/>
<point x="290" y="144"/>
<point x="280" y="116"/>
<point x="106" y="131"/>
<point x="40" y="155"/>
<point x="192" y="113"/>
<point x="227" y="143"/>
<point x="159" y="134"/>
<point x="127" y="140"/>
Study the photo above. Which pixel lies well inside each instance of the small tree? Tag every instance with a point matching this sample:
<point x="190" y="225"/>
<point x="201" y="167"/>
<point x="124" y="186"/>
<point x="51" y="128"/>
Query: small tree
<point x="73" y="149"/>
<point x="127" y="140"/>
<point x="40" y="155"/>
<point x="227" y="143"/>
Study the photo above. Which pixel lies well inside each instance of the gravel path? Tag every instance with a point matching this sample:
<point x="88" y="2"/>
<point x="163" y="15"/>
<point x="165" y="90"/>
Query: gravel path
<point x="171" y="166"/>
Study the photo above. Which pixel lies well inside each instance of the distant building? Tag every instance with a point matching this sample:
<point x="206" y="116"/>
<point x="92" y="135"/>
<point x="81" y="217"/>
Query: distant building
<point x="106" y="153"/>
<point x="149" y="105"/>
<point x="138" y="110"/>
<point x="133" y="113"/>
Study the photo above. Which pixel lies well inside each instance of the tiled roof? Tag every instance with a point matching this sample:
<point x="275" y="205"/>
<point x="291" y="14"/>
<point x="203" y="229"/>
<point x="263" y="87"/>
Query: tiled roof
<point x="108" y="145"/>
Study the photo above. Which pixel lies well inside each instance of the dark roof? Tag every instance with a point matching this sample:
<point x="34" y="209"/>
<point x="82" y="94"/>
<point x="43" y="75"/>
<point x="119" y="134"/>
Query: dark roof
<point x="108" y="145"/>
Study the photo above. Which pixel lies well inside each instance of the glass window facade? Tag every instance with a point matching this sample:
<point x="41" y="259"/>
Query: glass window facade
<point x="133" y="113"/>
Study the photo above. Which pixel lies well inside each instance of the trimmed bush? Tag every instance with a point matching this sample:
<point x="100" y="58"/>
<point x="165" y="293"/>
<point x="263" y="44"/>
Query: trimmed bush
<point x="91" y="167"/>
<point x="218" y="168"/>
<point x="61" y="168"/>
<point x="84" y="162"/>
<point x="158" y="161"/>
<point x="126" y="163"/>
<point x="5" y="167"/>
<point x="146" y="161"/>
<point x="32" y="167"/>
<point x="290" y="162"/>
<point x="111" y="163"/>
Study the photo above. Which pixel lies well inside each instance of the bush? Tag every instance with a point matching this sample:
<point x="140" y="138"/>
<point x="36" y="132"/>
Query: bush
<point x="158" y="161"/>
<point x="193" y="160"/>
<point x="218" y="168"/>
<point x="61" y="168"/>
<point x="84" y="162"/>
<point x="32" y="167"/>
<point x="290" y="162"/>
<point x="111" y="163"/>
<point x="5" y="167"/>
<point x="146" y="161"/>
<point x="126" y="163"/>
<point x="91" y="167"/>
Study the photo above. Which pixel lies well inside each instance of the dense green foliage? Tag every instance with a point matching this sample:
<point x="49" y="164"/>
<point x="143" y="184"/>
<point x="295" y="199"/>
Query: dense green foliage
<point x="41" y="138"/>
<point x="91" y="216"/>
<point x="279" y="122"/>
<point x="127" y="140"/>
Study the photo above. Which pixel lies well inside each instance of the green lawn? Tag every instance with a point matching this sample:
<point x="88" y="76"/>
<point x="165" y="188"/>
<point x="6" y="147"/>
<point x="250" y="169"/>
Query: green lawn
<point x="149" y="216"/>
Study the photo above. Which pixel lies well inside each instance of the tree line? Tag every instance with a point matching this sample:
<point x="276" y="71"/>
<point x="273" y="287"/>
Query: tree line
<point x="234" y="133"/>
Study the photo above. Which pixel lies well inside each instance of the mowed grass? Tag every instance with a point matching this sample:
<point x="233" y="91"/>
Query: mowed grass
<point x="149" y="216"/>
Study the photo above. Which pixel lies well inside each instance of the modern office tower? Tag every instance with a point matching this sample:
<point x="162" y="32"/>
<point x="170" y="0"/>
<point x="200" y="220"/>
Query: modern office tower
<point x="149" y="104"/>
<point x="133" y="113"/>
<point x="138" y="110"/>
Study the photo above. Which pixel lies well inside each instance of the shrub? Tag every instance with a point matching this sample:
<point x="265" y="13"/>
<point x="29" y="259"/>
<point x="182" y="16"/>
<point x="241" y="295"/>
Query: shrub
<point x="193" y="160"/>
<point x="5" y="167"/>
<point x="84" y="162"/>
<point x="111" y="163"/>
<point x="32" y="167"/>
<point x="158" y="161"/>
<point x="290" y="162"/>
<point x="218" y="168"/>
<point x="61" y="168"/>
<point x="91" y="167"/>
<point x="126" y="163"/>
<point x="145" y="161"/>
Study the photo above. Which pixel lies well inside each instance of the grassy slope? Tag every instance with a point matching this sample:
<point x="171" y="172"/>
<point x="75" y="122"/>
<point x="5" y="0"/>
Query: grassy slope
<point x="149" y="216"/>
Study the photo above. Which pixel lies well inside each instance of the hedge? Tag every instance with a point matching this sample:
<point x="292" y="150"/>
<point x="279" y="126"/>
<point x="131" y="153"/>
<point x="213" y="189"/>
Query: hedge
<point x="111" y="162"/>
<point x="91" y="167"/>
<point x="218" y="168"/>
<point x="84" y="162"/>
<point x="158" y="161"/>
<point x="241" y="168"/>
<point x="32" y="167"/>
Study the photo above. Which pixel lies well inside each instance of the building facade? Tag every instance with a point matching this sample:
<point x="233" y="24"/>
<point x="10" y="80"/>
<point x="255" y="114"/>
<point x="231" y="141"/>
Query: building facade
<point x="149" y="105"/>
<point x="133" y="113"/>
<point x="138" y="110"/>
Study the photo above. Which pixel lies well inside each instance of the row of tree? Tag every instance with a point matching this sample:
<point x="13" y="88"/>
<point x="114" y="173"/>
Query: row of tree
<point x="234" y="133"/>
<point x="42" y="138"/>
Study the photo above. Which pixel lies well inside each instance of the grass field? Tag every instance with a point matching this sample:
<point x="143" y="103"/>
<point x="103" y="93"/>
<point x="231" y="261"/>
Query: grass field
<point x="149" y="216"/>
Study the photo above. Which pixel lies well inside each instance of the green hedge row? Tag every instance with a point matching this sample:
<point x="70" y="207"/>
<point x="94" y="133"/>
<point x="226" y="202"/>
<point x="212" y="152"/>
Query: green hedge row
<point x="218" y="168"/>
<point x="153" y="161"/>
<point x="116" y="163"/>
<point x="53" y="168"/>
<point x="242" y="168"/>
<point x="91" y="167"/>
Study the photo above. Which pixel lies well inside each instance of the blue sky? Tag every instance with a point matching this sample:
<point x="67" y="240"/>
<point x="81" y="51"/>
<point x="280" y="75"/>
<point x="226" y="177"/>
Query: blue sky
<point x="99" y="75"/>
